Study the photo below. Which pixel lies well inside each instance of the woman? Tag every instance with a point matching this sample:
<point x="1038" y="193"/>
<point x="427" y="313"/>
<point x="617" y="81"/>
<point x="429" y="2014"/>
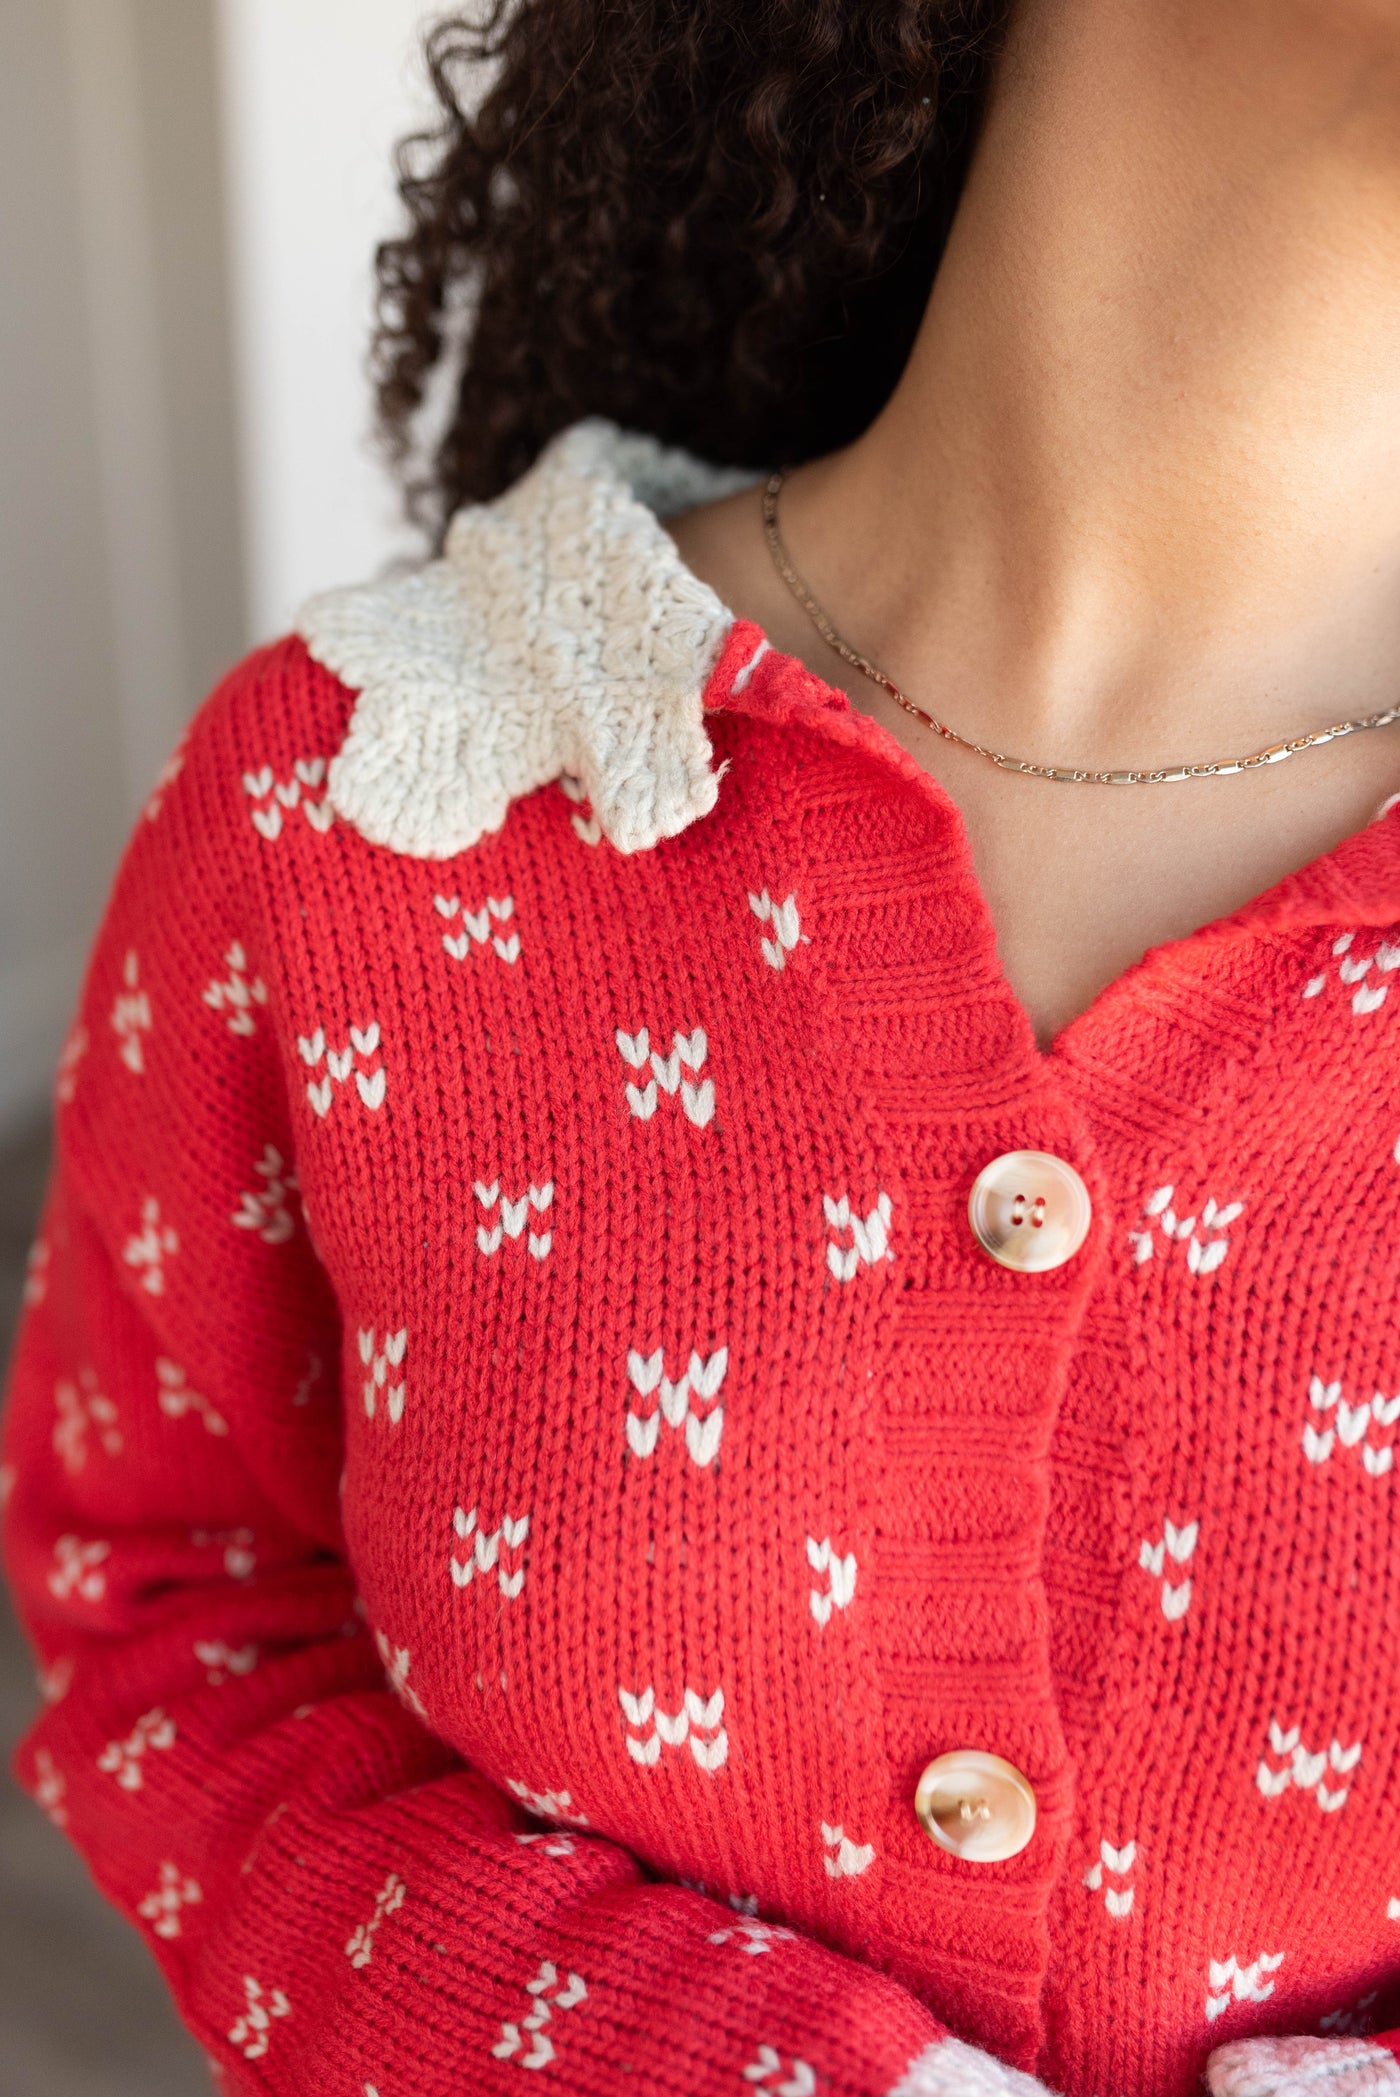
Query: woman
<point x="711" y="1393"/>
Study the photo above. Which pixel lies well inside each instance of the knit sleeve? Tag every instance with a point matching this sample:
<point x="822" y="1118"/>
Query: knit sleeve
<point x="339" y="1904"/>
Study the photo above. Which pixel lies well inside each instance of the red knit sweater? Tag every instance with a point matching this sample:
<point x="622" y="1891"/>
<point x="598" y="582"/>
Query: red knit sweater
<point x="518" y="1459"/>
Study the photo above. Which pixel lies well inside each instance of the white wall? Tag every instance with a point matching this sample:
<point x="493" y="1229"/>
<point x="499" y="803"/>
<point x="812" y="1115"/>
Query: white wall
<point x="120" y="592"/>
<point x="315" y="94"/>
<point x="195" y="189"/>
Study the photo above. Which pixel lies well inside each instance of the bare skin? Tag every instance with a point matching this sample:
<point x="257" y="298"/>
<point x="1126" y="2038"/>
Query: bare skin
<point x="1136" y="499"/>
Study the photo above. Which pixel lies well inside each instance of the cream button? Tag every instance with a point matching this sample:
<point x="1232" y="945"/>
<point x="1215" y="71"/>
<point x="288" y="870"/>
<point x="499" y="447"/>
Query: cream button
<point x="976" y="1805"/>
<point x="1029" y="1210"/>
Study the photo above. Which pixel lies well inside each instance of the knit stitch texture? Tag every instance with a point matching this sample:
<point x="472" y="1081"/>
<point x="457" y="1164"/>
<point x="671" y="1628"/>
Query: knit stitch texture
<point x="517" y="1460"/>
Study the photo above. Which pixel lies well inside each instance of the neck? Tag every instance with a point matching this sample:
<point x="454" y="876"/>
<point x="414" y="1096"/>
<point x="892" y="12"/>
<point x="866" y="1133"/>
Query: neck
<point x="1137" y="494"/>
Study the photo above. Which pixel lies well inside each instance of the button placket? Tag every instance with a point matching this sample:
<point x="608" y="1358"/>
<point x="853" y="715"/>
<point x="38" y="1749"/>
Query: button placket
<point x="908" y="887"/>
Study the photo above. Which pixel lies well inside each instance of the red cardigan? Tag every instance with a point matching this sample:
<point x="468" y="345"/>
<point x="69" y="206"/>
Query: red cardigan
<point x="519" y="1460"/>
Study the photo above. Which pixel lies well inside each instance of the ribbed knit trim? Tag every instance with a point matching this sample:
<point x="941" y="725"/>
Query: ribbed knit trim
<point x="1282" y="2067"/>
<point x="948" y="2068"/>
<point x="560" y="633"/>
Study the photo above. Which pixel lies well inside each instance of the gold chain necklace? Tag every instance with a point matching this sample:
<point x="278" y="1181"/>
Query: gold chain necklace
<point x="1158" y="775"/>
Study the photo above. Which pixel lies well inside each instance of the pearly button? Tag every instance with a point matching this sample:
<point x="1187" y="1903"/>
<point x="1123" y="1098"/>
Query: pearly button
<point x="976" y="1805"/>
<point x="1029" y="1210"/>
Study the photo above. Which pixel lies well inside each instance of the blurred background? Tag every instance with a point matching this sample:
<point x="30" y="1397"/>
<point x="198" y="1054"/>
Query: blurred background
<point x="192" y="191"/>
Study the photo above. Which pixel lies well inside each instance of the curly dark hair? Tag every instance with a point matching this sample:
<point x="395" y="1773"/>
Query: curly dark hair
<point x="714" y="220"/>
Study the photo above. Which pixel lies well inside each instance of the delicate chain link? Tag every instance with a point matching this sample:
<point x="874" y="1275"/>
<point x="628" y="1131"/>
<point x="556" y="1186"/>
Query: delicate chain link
<point x="1156" y="775"/>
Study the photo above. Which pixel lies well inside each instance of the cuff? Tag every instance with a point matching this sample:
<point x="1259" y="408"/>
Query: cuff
<point x="1303" y="2068"/>
<point x="948" y="2068"/>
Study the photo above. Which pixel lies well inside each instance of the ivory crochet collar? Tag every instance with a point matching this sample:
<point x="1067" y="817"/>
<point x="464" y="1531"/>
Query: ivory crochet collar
<point x="560" y="632"/>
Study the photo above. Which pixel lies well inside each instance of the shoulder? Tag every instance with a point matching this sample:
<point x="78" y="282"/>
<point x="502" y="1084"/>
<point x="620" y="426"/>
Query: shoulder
<point x="275" y="718"/>
<point x="559" y="632"/>
<point x="254" y="759"/>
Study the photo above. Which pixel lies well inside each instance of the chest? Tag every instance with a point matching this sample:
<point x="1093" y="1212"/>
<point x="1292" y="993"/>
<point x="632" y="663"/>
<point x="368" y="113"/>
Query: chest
<point x="704" y="1479"/>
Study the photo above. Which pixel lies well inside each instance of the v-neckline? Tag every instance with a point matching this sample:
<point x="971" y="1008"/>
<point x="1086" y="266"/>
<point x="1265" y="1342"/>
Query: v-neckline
<point x="1354" y="883"/>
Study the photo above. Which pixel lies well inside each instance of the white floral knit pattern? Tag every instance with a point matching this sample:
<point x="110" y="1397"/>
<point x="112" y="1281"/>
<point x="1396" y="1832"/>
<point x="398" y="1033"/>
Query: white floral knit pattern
<point x="517" y="1460"/>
